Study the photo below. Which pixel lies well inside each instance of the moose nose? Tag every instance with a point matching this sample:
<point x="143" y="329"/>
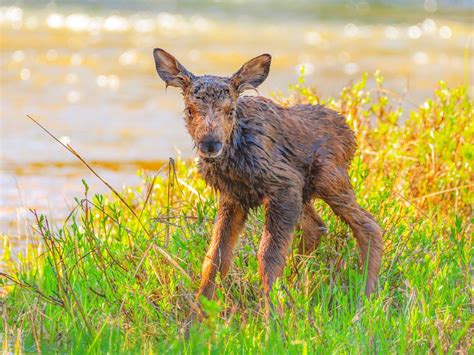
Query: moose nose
<point x="210" y="147"/>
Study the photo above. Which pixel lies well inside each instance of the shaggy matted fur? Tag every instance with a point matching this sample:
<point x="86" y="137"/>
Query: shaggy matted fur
<point x="255" y="152"/>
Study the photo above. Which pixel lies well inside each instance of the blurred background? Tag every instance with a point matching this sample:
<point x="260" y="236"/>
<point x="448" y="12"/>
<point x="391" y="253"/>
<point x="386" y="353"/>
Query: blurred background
<point x="85" y="70"/>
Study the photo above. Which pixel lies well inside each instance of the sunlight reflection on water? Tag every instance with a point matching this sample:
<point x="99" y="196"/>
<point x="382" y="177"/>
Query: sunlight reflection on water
<point x="88" y="75"/>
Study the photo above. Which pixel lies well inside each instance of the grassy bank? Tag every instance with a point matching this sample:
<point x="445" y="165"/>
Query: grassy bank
<point x="119" y="275"/>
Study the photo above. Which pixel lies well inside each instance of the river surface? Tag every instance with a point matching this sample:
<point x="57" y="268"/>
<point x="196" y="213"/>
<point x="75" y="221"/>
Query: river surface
<point x="85" y="71"/>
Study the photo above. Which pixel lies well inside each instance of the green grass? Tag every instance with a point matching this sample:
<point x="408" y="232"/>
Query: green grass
<point x="110" y="280"/>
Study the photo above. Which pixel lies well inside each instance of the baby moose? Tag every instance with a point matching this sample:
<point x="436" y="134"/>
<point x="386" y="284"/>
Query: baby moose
<point x="255" y="152"/>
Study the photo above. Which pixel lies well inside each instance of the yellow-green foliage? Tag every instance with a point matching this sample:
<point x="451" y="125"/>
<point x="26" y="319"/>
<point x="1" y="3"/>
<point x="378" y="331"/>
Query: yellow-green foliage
<point x="113" y="281"/>
<point x="428" y="158"/>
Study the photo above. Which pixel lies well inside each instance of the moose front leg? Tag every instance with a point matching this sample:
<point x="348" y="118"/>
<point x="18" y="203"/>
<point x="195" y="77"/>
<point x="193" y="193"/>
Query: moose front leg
<point x="281" y="217"/>
<point x="230" y="221"/>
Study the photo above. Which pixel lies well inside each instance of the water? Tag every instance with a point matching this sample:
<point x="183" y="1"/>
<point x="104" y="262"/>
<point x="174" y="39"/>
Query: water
<point x="85" y="70"/>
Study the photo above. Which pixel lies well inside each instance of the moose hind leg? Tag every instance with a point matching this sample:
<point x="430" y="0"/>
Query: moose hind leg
<point x="312" y="227"/>
<point x="366" y="231"/>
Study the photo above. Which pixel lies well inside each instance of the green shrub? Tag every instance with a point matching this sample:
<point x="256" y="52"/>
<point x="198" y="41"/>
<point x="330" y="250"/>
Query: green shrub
<point x="121" y="279"/>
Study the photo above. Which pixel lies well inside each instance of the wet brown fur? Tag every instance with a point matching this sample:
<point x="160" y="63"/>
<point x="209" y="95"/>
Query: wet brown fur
<point x="281" y="157"/>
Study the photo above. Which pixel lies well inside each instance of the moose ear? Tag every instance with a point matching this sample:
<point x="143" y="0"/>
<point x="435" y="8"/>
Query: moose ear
<point x="252" y="73"/>
<point x="170" y="70"/>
